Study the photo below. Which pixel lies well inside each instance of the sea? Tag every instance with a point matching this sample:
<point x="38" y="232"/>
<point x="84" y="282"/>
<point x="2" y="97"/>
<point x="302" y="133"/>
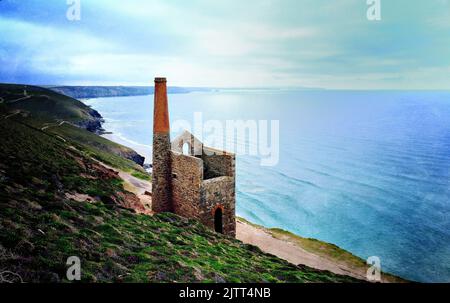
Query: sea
<point x="368" y="171"/>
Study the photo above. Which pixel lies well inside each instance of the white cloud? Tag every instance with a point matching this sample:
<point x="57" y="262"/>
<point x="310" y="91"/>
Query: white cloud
<point x="204" y="43"/>
<point x="40" y="39"/>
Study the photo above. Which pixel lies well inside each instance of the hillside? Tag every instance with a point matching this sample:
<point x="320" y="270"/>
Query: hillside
<point x="57" y="200"/>
<point x="85" y="92"/>
<point x="68" y="117"/>
<point x="43" y="222"/>
<point x="310" y="252"/>
<point x="48" y="105"/>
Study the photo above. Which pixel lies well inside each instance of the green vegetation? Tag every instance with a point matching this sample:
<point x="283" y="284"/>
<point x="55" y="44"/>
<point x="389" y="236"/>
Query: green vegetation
<point x="324" y="249"/>
<point x="56" y="202"/>
<point x="140" y="175"/>
<point x="46" y="104"/>
<point x="68" y="120"/>
<point x="101" y="149"/>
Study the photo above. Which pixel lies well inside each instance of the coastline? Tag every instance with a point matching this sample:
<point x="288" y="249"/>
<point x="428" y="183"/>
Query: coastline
<point x="141" y="149"/>
<point x="283" y="244"/>
<point x="304" y="251"/>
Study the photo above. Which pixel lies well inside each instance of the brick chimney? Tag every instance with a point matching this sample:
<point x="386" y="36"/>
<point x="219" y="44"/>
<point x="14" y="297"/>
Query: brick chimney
<point x="162" y="172"/>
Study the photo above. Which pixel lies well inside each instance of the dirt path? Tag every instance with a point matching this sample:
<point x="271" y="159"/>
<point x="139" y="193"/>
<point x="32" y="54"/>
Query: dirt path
<point x="140" y="188"/>
<point x="54" y="125"/>
<point x="284" y="248"/>
<point x="17" y="100"/>
<point x="294" y="253"/>
<point x="12" y="114"/>
<point x="247" y="233"/>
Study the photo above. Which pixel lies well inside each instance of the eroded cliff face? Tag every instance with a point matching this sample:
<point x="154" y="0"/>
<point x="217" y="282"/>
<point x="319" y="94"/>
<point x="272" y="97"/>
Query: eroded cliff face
<point x="92" y="122"/>
<point x="132" y="155"/>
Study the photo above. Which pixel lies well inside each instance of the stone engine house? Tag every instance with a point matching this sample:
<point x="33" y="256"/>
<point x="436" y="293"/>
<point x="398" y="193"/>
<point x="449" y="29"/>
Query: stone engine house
<point x="190" y="179"/>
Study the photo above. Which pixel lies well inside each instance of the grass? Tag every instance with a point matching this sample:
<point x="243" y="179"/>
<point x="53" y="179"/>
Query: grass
<point x="321" y="248"/>
<point x="142" y="176"/>
<point x="101" y="149"/>
<point x="44" y="103"/>
<point x="48" y="108"/>
<point x="41" y="227"/>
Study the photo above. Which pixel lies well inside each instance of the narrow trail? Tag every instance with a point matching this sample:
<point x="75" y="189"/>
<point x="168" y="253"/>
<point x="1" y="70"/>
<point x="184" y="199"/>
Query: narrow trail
<point x="25" y="97"/>
<point x="293" y="252"/>
<point x="141" y="188"/>
<point x="288" y="251"/>
<point x="282" y="248"/>
<point x="17" y="100"/>
<point x="12" y="114"/>
<point x="54" y="125"/>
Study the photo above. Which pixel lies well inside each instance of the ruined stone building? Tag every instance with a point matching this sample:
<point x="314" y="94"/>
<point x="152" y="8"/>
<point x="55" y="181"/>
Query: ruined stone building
<point x="198" y="183"/>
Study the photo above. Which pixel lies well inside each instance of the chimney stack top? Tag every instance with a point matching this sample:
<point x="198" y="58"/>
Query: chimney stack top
<point x="161" y="108"/>
<point x="160" y="80"/>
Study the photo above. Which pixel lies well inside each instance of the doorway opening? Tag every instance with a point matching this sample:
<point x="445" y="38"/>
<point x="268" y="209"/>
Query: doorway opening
<point x="218" y="225"/>
<point x="186" y="149"/>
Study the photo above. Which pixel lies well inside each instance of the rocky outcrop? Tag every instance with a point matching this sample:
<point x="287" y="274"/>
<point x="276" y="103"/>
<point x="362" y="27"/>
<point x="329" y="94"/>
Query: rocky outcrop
<point x="93" y="123"/>
<point x="133" y="156"/>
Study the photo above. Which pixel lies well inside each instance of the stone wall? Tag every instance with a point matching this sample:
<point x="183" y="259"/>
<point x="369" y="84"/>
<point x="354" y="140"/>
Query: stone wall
<point x="193" y="197"/>
<point x="200" y="186"/>
<point x="217" y="164"/>
<point x="195" y="146"/>
<point x="219" y="192"/>
<point x="187" y="176"/>
<point x="161" y="189"/>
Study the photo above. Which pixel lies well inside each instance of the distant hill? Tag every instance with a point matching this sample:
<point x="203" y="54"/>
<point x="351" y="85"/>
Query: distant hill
<point x="66" y="116"/>
<point x="86" y="92"/>
<point x="49" y="105"/>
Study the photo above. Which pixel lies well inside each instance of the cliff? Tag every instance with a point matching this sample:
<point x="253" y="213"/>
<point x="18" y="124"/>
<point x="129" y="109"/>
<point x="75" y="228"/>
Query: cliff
<point x="59" y="199"/>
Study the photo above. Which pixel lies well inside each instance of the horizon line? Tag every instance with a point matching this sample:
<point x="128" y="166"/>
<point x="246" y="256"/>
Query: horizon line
<point x="234" y="88"/>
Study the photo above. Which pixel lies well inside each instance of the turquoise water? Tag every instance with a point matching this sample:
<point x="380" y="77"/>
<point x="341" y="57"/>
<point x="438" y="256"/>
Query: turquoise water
<point x="367" y="171"/>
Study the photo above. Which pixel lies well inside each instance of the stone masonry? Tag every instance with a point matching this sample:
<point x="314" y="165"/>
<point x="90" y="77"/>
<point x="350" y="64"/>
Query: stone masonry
<point x="199" y="184"/>
<point x="161" y="187"/>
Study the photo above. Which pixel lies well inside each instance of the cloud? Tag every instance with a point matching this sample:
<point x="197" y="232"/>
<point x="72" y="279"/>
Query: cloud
<point x="39" y="49"/>
<point x="315" y="43"/>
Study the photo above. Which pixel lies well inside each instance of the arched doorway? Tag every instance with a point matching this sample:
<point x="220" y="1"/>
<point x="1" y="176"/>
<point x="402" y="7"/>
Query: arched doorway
<point x="218" y="224"/>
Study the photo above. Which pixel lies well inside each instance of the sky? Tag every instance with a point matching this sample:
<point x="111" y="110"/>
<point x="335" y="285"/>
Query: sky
<point x="227" y="43"/>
